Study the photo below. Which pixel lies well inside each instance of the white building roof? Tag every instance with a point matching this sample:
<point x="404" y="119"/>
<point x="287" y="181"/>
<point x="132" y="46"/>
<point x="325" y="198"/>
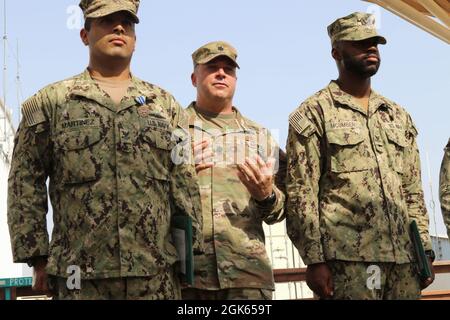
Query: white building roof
<point x="433" y="16"/>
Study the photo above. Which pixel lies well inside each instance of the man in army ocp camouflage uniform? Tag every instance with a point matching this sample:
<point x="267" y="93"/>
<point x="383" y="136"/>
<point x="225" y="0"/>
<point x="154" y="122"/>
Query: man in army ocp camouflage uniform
<point x="235" y="161"/>
<point x="354" y="181"/>
<point x="444" y="187"/>
<point x="104" y="140"/>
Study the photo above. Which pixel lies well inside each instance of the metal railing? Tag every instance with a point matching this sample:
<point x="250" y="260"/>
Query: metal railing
<point x="299" y="274"/>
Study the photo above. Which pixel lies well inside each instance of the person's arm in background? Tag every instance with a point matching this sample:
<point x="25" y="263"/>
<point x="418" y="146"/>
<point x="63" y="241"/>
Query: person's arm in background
<point x="304" y="170"/>
<point x="444" y="187"/>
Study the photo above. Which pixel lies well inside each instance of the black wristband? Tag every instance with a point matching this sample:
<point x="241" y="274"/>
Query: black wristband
<point x="430" y="254"/>
<point x="270" y="200"/>
<point x="31" y="261"/>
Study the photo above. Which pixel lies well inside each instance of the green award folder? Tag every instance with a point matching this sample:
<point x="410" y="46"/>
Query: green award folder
<point x="182" y="238"/>
<point x="422" y="260"/>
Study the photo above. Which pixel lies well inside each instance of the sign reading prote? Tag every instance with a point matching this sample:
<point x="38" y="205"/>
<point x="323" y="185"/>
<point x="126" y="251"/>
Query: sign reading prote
<point x="16" y="282"/>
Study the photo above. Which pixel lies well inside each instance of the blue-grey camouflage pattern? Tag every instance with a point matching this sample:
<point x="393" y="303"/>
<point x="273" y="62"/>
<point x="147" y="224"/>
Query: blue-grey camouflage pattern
<point x="112" y="183"/>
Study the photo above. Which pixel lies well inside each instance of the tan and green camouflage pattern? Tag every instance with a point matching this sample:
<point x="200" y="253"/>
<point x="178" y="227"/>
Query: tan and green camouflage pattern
<point x="112" y="183"/>
<point x="444" y="187"/>
<point x="354" y="27"/>
<point x="396" y="281"/>
<point x="100" y="8"/>
<point x="162" y="286"/>
<point x="235" y="254"/>
<point x="213" y="50"/>
<point x="227" y="294"/>
<point x="354" y="180"/>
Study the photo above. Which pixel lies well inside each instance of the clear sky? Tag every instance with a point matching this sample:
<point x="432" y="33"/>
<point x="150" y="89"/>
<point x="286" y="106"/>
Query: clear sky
<point x="284" y="54"/>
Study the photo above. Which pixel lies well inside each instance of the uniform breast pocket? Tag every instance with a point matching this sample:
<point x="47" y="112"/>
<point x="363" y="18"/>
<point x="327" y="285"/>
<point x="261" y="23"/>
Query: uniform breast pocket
<point x="348" y="152"/>
<point x="396" y="148"/>
<point x="79" y="155"/>
<point x="157" y="152"/>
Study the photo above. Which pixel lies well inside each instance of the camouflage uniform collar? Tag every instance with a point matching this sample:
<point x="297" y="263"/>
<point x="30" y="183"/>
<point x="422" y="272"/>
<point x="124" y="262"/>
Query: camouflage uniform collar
<point x="337" y="94"/>
<point x="375" y="102"/>
<point x="190" y="110"/>
<point x="85" y="86"/>
<point x="243" y="121"/>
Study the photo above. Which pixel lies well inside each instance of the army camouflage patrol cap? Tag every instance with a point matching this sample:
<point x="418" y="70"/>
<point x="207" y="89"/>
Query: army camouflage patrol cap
<point x="101" y="8"/>
<point x="354" y="27"/>
<point x="213" y="50"/>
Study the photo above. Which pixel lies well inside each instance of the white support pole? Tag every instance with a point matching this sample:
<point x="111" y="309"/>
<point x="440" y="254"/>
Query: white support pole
<point x="18" y="81"/>
<point x="5" y="39"/>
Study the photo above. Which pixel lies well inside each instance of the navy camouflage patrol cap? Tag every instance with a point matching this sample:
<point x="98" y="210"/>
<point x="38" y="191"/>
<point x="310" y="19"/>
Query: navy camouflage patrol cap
<point x="355" y="27"/>
<point x="101" y="8"/>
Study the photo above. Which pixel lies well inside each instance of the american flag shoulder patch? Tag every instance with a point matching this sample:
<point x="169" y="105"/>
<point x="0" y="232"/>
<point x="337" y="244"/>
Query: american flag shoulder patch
<point x="32" y="112"/>
<point x="300" y="123"/>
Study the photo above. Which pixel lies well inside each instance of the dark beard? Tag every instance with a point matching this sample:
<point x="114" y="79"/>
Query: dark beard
<point x="360" y="68"/>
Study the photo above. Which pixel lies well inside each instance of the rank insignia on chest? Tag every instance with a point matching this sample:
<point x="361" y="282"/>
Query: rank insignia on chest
<point x="144" y="111"/>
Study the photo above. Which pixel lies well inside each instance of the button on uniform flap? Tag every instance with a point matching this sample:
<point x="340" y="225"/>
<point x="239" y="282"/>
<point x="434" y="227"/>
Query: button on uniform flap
<point x="397" y="143"/>
<point x="397" y="137"/>
<point x="348" y="152"/>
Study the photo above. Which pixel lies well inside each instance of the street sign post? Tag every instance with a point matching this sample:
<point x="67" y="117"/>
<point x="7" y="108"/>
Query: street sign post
<point x="9" y="283"/>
